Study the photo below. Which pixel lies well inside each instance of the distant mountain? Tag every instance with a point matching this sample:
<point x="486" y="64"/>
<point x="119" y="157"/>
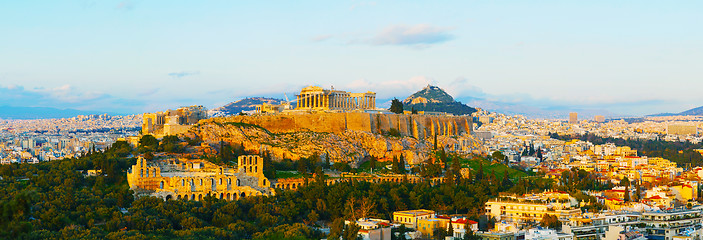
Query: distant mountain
<point x="247" y="104"/>
<point x="696" y="111"/>
<point x="434" y="99"/>
<point x="691" y="112"/>
<point x="8" y="112"/>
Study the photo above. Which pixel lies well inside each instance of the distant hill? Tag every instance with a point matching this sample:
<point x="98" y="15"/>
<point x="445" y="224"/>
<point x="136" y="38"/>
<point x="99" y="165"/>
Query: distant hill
<point x="691" y="112"/>
<point x="247" y="104"/>
<point x="696" y="111"/>
<point x="8" y="112"/>
<point x="434" y="99"/>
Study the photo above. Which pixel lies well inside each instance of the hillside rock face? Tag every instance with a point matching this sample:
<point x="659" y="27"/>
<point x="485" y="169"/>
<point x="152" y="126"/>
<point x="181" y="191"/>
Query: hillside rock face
<point x="330" y="135"/>
<point x="416" y="126"/>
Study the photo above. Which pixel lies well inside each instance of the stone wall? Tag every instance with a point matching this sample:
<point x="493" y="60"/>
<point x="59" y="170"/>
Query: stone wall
<point x="417" y="126"/>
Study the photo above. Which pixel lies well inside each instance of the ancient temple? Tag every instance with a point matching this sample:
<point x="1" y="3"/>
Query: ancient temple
<point x="317" y="98"/>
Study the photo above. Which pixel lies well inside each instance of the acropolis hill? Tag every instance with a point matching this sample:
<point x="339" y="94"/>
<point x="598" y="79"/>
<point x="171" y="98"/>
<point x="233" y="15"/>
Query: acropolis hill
<point x="338" y="125"/>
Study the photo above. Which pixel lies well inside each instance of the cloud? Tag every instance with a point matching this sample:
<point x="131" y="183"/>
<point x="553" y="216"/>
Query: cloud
<point x="321" y="38"/>
<point x="183" y="74"/>
<point x="390" y="88"/>
<point x="420" y="35"/>
<point x="65" y="96"/>
<point x="125" y="5"/>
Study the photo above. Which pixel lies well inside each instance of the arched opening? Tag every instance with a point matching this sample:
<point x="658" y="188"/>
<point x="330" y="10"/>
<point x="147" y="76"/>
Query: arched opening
<point x="153" y="173"/>
<point x="288" y="186"/>
<point x="228" y="196"/>
<point x="243" y="195"/>
<point x="212" y="183"/>
<point x="200" y="197"/>
<point x="168" y="197"/>
<point x="178" y="197"/>
<point x="201" y="182"/>
<point x="249" y="168"/>
<point x="192" y="197"/>
<point x="264" y="182"/>
<point x="183" y="182"/>
<point x="147" y="172"/>
<point x="185" y="197"/>
<point x="161" y="185"/>
<point x="238" y="183"/>
<point x="256" y="169"/>
<point x="222" y="195"/>
<point x="220" y="181"/>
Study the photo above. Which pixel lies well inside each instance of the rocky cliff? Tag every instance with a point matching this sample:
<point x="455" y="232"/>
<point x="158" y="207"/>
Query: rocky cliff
<point x="342" y="137"/>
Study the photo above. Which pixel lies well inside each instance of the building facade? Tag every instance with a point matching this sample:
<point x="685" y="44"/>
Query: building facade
<point x="194" y="179"/>
<point x="172" y="122"/>
<point x="317" y="98"/>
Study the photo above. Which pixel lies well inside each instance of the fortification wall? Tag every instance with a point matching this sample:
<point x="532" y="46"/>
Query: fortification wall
<point x="418" y="126"/>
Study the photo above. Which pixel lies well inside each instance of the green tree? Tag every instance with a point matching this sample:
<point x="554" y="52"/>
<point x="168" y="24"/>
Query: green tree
<point x="626" y="197"/>
<point x="507" y="184"/>
<point x="624" y="181"/>
<point x="148" y="143"/>
<point x="396" y="106"/>
<point x="550" y="221"/>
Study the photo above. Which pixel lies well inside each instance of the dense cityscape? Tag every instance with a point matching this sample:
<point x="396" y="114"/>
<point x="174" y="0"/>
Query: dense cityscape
<point x="351" y="120"/>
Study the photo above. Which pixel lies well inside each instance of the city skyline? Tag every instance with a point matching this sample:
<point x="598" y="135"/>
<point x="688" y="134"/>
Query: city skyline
<point x="632" y="58"/>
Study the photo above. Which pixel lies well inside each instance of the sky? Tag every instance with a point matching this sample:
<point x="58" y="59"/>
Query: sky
<point x="627" y="57"/>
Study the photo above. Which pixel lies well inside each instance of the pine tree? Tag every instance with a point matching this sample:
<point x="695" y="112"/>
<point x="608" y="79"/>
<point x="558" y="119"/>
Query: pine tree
<point x="479" y="173"/>
<point x="626" y="198"/>
<point x="506" y="181"/>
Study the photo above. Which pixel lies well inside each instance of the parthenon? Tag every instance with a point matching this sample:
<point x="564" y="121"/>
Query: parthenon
<point x="316" y="98"/>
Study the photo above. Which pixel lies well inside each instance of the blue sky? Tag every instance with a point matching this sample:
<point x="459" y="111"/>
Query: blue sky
<point x="628" y="57"/>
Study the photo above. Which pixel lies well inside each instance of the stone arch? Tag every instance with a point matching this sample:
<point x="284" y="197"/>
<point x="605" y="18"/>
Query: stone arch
<point x="201" y="182"/>
<point x="178" y="197"/>
<point x="220" y="181"/>
<point x="228" y="196"/>
<point x="200" y="197"/>
<point x="288" y="186"/>
<point x="299" y="184"/>
<point x="161" y="185"/>
<point x="222" y="195"/>
<point x="185" y="197"/>
<point x="192" y="197"/>
<point x="243" y="194"/>
<point x="169" y="197"/>
<point x="238" y="183"/>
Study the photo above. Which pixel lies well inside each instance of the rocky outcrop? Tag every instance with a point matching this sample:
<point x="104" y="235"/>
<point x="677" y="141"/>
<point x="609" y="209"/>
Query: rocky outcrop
<point x="416" y="126"/>
<point x="333" y="136"/>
